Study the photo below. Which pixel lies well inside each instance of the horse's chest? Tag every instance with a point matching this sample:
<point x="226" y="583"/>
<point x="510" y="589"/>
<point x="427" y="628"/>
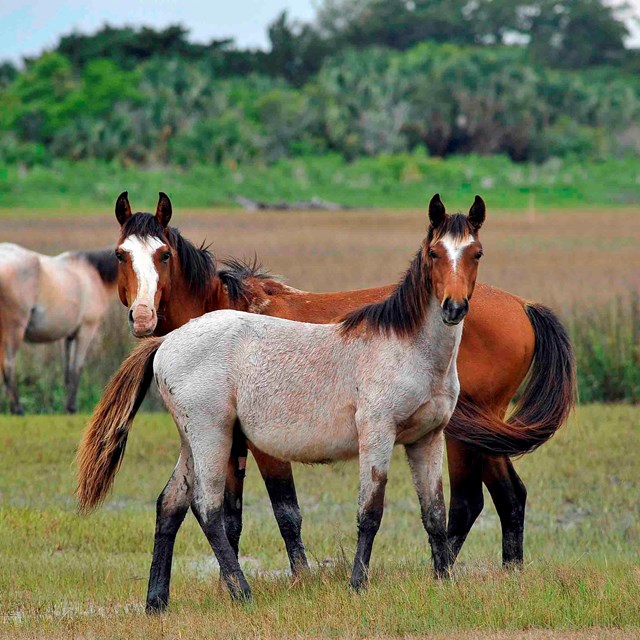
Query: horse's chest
<point x="431" y="415"/>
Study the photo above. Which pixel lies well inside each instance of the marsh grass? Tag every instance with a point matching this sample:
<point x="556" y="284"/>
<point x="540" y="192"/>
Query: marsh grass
<point x="607" y="345"/>
<point x="63" y="575"/>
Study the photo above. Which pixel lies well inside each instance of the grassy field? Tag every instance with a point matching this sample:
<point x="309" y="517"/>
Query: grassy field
<point x="66" y="576"/>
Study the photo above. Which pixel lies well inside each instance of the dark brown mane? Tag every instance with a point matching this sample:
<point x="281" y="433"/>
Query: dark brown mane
<point x="104" y="262"/>
<point x="403" y="311"/>
<point x="198" y="264"/>
<point x="236" y="273"/>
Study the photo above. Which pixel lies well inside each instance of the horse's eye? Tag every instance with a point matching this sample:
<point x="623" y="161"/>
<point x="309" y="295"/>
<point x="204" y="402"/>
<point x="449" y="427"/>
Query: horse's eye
<point x="119" y="256"/>
<point x="432" y="254"/>
<point x="478" y="255"/>
<point x="165" y="256"/>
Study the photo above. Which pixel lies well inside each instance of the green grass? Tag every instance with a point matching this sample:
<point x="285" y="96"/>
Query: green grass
<point x="403" y="180"/>
<point x="63" y="576"/>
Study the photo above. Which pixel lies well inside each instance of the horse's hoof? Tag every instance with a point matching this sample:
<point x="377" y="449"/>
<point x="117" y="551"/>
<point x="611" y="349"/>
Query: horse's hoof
<point x="243" y="596"/>
<point x="156" y="606"/>
<point x="359" y="586"/>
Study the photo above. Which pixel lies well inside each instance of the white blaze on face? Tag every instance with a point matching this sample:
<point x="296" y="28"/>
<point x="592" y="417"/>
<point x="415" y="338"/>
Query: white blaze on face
<point x="455" y="247"/>
<point x="141" y="251"/>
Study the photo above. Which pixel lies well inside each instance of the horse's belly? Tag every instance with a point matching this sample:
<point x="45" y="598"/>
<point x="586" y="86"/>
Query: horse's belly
<point x="303" y="441"/>
<point x="47" y="325"/>
<point x="430" y="416"/>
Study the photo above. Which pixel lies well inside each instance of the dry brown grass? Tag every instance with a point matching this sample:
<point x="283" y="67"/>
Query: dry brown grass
<point x="562" y="258"/>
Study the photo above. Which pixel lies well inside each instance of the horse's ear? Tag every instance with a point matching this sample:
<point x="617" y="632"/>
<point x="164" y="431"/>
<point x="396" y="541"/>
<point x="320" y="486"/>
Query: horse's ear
<point x="163" y="210"/>
<point x="123" y="208"/>
<point x="437" y="212"/>
<point x="477" y="213"/>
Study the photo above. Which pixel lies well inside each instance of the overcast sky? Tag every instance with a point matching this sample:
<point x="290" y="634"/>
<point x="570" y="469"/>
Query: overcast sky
<point x="29" y="26"/>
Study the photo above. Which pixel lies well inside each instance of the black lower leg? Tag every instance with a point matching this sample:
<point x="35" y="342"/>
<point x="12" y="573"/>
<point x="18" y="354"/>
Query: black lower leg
<point x="464" y="509"/>
<point x="368" y="525"/>
<point x="284" y="500"/>
<point x="212" y="524"/>
<point x="233" y="491"/>
<point x="510" y="497"/>
<point x="167" y="525"/>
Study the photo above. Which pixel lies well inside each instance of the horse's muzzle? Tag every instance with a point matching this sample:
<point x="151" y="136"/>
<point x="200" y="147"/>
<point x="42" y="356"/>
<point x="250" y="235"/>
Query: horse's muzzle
<point x="142" y="320"/>
<point x="454" y="312"/>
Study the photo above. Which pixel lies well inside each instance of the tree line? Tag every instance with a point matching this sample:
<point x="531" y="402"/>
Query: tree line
<point x="527" y="79"/>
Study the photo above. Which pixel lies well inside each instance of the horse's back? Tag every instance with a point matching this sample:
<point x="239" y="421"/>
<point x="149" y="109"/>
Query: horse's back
<point x="19" y="277"/>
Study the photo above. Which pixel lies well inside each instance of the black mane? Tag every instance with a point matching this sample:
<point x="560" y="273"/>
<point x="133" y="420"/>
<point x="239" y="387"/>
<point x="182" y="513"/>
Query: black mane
<point x="198" y="263"/>
<point x="235" y="274"/>
<point x="403" y="311"/>
<point x="104" y="262"/>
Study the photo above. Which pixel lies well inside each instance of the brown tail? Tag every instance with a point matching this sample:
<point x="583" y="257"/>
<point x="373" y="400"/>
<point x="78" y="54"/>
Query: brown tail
<point x="105" y="438"/>
<point x="545" y="404"/>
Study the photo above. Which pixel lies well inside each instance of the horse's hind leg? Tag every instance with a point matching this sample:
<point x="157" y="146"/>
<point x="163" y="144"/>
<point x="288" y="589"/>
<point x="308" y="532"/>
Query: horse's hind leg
<point x="171" y="508"/>
<point x="75" y="355"/>
<point x="425" y="460"/>
<point x="375" y="449"/>
<point x="278" y="479"/>
<point x="510" y="497"/>
<point x="467" y="501"/>
<point x="211" y="449"/>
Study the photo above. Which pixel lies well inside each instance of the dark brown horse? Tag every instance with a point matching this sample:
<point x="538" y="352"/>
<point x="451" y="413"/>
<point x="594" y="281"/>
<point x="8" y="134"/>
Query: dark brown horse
<point x="166" y="281"/>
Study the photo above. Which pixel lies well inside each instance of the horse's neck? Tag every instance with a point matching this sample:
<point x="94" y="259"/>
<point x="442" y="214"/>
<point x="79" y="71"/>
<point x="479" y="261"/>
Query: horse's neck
<point x="183" y="305"/>
<point x="437" y="339"/>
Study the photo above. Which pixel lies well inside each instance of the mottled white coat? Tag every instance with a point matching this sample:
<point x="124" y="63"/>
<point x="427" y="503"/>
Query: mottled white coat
<point x="44" y="299"/>
<point x="304" y="392"/>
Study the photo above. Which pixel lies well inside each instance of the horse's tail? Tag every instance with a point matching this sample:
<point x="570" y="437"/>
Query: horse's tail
<point x="546" y="401"/>
<point x="105" y="438"/>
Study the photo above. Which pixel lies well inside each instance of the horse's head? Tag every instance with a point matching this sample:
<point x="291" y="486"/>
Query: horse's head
<point x="145" y="257"/>
<point x="452" y="250"/>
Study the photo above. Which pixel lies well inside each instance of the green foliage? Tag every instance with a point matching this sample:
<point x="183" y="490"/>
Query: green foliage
<point x="445" y="98"/>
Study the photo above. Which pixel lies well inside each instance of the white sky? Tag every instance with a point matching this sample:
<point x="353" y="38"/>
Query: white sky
<point x="29" y="26"/>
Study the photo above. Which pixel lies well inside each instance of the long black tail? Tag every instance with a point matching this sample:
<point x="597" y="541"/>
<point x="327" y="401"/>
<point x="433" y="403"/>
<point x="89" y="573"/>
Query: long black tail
<point x="546" y="402"/>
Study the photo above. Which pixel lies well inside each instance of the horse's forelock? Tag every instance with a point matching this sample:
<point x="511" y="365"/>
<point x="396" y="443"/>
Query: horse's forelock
<point x="144" y="225"/>
<point x="456" y="226"/>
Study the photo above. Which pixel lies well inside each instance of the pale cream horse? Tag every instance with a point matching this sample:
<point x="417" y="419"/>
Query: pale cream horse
<point x="303" y="392"/>
<point x="47" y="298"/>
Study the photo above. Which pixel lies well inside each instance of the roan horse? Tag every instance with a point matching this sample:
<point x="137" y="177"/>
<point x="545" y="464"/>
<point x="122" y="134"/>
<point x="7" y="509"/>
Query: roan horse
<point x="45" y="298"/>
<point x="308" y="393"/>
<point x="504" y="338"/>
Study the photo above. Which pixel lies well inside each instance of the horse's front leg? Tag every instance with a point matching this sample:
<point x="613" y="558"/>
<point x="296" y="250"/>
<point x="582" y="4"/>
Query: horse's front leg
<point x="278" y="479"/>
<point x="11" y="338"/>
<point x="171" y="508"/>
<point x="425" y="460"/>
<point x="375" y="449"/>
